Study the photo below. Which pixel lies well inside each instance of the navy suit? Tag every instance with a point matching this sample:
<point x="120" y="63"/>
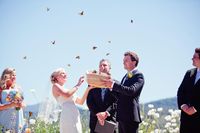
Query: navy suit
<point x="189" y="93"/>
<point x="96" y="104"/>
<point x="128" y="108"/>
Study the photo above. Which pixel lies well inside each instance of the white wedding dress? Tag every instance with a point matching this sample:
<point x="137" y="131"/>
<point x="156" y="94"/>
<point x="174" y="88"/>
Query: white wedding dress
<point x="70" y="117"/>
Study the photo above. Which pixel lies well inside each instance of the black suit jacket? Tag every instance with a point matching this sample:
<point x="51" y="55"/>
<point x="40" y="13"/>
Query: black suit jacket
<point x="189" y="93"/>
<point x="128" y="93"/>
<point x="96" y="105"/>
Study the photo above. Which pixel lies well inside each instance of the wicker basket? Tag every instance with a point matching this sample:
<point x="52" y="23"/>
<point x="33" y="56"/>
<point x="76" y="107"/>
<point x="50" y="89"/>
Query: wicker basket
<point x="95" y="79"/>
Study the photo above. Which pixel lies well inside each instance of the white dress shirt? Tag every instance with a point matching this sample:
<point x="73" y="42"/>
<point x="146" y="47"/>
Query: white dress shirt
<point x="197" y="76"/>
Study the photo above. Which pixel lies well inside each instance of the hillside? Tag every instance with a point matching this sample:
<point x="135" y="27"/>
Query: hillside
<point x="168" y="103"/>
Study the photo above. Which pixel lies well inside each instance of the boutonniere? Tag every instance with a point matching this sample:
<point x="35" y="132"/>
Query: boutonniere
<point x="130" y="75"/>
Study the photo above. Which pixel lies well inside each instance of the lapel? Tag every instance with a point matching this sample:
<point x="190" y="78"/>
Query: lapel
<point x="124" y="78"/>
<point x="197" y="83"/>
<point x="97" y="94"/>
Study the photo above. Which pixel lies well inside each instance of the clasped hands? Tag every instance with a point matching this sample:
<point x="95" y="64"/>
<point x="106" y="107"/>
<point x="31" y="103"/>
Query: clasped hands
<point x="190" y="110"/>
<point x="101" y="116"/>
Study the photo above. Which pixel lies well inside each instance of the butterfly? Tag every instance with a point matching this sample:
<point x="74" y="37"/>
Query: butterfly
<point x="30" y="113"/>
<point x="25" y="57"/>
<point x="53" y="42"/>
<point x="94" y="47"/>
<point x="131" y="20"/>
<point x="81" y="13"/>
<point x="48" y="9"/>
<point x="78" y="57"/>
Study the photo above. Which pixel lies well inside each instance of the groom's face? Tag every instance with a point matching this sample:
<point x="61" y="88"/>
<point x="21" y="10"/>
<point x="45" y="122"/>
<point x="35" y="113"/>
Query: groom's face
<point x="128" y="63"/>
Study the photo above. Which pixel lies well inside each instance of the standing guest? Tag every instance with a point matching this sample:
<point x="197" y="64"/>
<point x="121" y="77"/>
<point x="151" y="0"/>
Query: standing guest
<point x="11" y="103"/>
<point x="188" y="97"/>
<point x="101" y="99"/>
<point x="128" y="93"/>
<point x="70" y="117"/>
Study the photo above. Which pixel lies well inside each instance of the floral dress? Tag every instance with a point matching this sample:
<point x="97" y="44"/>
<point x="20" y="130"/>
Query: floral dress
<point x="11" y="119"/>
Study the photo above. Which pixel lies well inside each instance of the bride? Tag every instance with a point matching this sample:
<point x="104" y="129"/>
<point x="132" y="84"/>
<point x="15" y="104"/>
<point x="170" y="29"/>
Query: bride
<point x="70" y="116"/>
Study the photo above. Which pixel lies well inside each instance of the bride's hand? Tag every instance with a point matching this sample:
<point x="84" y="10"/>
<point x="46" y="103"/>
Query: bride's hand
<point x="90" y="87"/>
<point x="80" y="81"/>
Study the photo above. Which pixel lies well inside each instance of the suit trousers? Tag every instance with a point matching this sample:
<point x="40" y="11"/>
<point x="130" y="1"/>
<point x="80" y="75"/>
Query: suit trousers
<point x="128" y="127"/>
<point x="190" y="127"/>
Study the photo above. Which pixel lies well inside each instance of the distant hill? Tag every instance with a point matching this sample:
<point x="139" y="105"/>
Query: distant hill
<point x="168" y="103"/>
<point x="33" y="108"/>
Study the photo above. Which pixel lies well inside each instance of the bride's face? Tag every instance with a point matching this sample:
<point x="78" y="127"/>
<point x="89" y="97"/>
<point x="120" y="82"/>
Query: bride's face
<point x="62" y="77"/>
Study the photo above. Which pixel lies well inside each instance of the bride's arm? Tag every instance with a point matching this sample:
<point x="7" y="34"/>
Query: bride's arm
<point x="59" y="91"/>
<point x="83" y="98"/>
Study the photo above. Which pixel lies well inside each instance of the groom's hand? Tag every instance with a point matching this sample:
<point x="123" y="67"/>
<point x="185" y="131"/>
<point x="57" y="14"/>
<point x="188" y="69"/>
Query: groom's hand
<point x="108" y="83"/>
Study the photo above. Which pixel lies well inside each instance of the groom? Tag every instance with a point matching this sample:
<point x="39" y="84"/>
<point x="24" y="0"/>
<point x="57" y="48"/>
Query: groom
<point x="128" y="94"/>
<point x="100" y="99"/>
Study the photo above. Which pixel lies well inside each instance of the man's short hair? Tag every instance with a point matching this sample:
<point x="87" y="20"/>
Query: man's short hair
<point x="106" y="61"/>
<point x="197" y="50"/>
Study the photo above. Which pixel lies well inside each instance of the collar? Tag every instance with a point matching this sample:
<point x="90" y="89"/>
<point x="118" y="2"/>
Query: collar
<point x="132" y="71"/>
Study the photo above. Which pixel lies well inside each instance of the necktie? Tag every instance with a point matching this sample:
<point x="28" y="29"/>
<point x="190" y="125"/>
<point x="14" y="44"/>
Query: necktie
<point x="103" y="92"/>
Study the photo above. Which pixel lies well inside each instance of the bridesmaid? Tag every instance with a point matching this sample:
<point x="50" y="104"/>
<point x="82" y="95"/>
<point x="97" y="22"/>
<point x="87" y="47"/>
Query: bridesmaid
<point x="11" y="103"/>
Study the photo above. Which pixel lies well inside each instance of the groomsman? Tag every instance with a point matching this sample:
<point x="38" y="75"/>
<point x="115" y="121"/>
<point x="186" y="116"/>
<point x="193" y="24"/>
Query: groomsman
<point x="101" y="99"/>
<point x="188" y="97"/>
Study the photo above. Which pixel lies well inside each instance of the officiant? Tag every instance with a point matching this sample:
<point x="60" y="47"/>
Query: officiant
<point x="101" y="99"/>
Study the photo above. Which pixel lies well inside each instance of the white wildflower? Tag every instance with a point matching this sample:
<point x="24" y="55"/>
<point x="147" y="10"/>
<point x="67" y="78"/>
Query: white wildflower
<point x="150" y="105"/>
<point x="159" y="109"/>
<point x="32" y="121"/>
<point x="168" y="118"/>
<point x="140" y="131"/>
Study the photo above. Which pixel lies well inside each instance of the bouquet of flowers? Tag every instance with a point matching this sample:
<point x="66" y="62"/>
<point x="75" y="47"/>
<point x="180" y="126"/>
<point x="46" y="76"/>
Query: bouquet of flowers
<point x="16" y="97"/>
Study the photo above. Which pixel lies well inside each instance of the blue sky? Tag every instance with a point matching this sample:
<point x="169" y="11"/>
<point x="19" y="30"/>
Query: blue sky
<point x="164" y="34"/>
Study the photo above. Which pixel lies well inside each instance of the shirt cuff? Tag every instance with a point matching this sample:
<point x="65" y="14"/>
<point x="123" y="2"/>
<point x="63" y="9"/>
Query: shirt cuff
<point x="112" y="85"/>
<point x="107" y="113"/>
<point x="183" y="105"/>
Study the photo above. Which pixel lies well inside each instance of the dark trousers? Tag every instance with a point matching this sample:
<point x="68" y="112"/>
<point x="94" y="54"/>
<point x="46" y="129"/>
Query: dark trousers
<point x="128" y="127"/>
<point x="190" y="127"/>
